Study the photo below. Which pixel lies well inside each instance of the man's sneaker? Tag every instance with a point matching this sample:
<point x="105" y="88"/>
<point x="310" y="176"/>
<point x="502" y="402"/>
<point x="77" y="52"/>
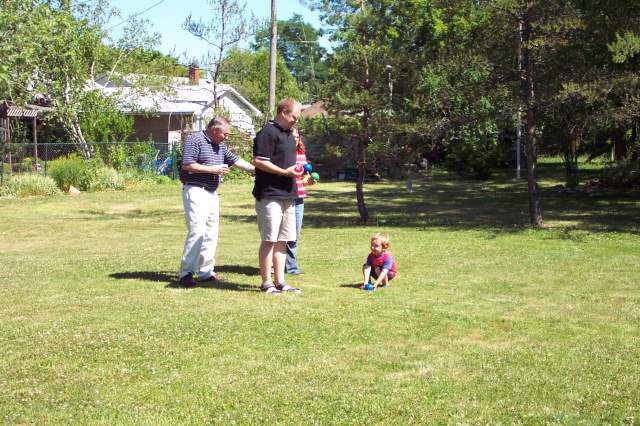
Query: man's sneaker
<point x="211" y="278"/>
<point x="284" y="287"/>
<point x="271" y="289"/>
<point x="187" y="281"/>
<point x="298" y="273"/>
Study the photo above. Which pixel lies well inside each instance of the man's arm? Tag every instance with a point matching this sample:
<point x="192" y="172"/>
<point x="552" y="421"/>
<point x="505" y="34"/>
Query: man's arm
<point x="269" y="167"/>
<point x="221" y="170"/>
<point x="244" y="165"/>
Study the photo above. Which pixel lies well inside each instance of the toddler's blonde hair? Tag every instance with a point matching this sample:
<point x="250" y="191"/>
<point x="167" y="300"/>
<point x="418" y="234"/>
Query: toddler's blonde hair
<point x="383" y="239"/>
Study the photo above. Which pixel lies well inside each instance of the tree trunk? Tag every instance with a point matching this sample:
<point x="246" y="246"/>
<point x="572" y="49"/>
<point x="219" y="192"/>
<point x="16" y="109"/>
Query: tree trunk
<point x="364" y="141"/>
<point x="535" y="212"/>
<point x="362" y="168"/>
<point x="71" y="122"/>
<point x="78" y="138"/>
<point x="634" y="141"/>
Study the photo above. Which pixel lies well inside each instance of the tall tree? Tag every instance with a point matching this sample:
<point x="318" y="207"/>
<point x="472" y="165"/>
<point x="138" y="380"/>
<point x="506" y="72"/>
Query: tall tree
<point x="245" y="70"/>
<point x="55" y="50"/>
<point x="62" y="48"/>
<point x="354" y="90"/>
<point x="299" y="45"/>
<point x="227" y="27"/>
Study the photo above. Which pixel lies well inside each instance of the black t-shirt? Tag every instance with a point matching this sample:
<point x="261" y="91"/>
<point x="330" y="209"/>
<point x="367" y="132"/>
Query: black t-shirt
<point x="277" y="145"/>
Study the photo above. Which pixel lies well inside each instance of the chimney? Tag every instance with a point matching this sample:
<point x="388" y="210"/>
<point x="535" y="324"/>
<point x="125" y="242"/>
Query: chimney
<point x="194" y="75"/>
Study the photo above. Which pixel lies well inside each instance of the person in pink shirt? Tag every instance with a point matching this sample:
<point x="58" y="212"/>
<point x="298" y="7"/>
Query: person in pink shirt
<point x="380" y="267"/>
<point x="291" y="265"/>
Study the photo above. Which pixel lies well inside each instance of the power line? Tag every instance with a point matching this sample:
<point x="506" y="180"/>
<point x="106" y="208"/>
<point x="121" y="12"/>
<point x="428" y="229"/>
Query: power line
<point x="136" y="14"/>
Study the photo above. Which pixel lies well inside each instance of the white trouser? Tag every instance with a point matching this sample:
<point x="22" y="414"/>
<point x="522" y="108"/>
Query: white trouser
<point x="202" y="215"/>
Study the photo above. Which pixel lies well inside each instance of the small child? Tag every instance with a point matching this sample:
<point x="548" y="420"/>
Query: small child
<point x="380" y="266"/>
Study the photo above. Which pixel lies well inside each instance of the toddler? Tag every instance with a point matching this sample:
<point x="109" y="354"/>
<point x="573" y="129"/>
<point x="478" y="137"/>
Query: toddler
<point x="380" y="266"/>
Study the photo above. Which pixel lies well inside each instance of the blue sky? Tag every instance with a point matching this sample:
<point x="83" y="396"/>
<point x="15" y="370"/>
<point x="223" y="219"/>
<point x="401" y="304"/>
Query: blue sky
<point x="167" y="18"/>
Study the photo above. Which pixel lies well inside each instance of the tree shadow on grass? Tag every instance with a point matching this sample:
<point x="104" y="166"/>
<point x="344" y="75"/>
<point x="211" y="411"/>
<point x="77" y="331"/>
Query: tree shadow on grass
<point x="172" y="280"/>
<point x="499" y="205"/>
<point x="151" y="214"/>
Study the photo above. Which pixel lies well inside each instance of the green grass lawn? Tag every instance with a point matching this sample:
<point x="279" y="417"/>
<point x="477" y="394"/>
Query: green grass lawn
<point x="489" y="322"/>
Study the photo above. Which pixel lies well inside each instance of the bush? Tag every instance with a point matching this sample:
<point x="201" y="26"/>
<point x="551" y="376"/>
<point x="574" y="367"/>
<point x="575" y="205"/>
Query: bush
<point x="105" y="178"/>
<point x="86" y="175"/>
<point x="71" y="170"/>
<point x="624" y="175"/>
<point x="469" y="158"/>
<point x="27" y="185"/>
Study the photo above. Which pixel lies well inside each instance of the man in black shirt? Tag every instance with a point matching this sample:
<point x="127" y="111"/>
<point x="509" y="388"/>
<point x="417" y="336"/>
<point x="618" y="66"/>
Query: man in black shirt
<point x="274" y="156"/>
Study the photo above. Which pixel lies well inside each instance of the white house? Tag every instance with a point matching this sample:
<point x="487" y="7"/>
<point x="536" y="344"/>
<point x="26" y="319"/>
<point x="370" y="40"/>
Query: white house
<point x="187" y="105"/>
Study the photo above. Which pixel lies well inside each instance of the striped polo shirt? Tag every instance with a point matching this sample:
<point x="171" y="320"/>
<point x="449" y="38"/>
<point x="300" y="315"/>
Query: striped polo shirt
<point x="301" y="159"/>
<point x="199" y="148"/>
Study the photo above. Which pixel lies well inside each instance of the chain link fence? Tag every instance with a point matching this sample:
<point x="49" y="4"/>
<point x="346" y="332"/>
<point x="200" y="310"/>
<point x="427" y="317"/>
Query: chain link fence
<point x="149" y="157"/>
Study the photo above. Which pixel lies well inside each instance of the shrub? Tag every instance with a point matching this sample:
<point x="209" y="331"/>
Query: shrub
<point x="71" y="170"/>
<point x="105" y="178"/>
<point x="624" y="175"/>
<point x="114" y="155"/>
<point x="86" y="175"/>
<point x="163" y="180"/>
<point x="469" y="158"/>
<point x="27" y="185"/>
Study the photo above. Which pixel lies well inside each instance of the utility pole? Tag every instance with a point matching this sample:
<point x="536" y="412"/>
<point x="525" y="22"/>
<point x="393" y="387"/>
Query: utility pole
<point x="519" y="119"/>
<point x="273" y="52"/>
<point x="389" y="68"/>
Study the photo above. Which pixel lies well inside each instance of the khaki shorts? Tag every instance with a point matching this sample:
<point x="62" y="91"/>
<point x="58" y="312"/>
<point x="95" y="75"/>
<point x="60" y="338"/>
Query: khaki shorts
<point x="276" y="219"/>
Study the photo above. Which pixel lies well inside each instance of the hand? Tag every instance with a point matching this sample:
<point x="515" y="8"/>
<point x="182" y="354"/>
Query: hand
<point x="292" y="172"/>
<point x="308" y="180"/>
<point x="220" y="170"/>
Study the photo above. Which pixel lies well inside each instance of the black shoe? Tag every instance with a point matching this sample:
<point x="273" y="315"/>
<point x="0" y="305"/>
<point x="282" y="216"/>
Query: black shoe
<point x="187" y="281"/>
<point x="212" y="279"/>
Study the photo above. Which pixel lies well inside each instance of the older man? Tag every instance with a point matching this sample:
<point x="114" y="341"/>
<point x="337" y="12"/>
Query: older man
<point x="274" y="156"/>
<point x="205" y="158"/>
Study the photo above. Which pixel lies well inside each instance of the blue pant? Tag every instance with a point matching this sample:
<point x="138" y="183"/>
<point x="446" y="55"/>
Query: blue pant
<point x="291" y="266"/>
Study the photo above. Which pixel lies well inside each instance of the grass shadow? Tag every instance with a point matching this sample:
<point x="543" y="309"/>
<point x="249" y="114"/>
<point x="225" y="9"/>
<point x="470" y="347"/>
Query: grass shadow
<point x="145" y="276"/>
<point x="499" y="205"/>
<point x="238" y="269"/>
<point x="227" y="285"/>
<point x="172" y="280"/>
<point x="351" y="285"/>
<point x="143" y="214"/>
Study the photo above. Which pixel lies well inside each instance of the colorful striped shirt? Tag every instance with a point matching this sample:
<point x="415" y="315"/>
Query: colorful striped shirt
<point x="301" y="159"/>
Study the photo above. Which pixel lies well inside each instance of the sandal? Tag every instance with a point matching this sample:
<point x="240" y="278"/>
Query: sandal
<point x="284" y="287"/>
<point x="271" y="289"/>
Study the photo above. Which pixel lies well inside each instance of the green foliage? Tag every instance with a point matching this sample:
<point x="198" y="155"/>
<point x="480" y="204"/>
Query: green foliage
<point x="625" y="47"/>
<point x="623" y="175"/>
<point x="101" y="120"/>
<point x="85" y="175"/>
<point x="25" y="185"/>
<point x="121" y="156"/>
<point x="298" y="44"/>
<point x="71" y="171"/>
<point x="245" y="70"/>
<point x="473" y="154"/>
<point x="55" y="48"/>
<point x="105" y="178"/>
